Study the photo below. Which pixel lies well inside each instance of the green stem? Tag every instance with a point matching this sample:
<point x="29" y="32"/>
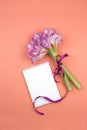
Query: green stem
<point x="52" y="53"/>
<point x="68" y="76"/>
<point x="71" y="77"/>
<point x="67" y="83"/>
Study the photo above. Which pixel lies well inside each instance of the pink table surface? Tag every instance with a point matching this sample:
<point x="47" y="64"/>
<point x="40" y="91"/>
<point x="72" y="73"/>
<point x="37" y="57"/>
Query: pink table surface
<point x="19" y="19"/>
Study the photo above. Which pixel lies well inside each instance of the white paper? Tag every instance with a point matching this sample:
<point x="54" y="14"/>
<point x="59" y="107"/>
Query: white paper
<point x="40" y="82"/>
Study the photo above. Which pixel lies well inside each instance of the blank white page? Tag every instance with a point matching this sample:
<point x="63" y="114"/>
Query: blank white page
<point x="40" y="82"/>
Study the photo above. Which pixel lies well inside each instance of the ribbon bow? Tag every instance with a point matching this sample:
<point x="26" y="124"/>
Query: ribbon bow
<point x="59" y="63"/>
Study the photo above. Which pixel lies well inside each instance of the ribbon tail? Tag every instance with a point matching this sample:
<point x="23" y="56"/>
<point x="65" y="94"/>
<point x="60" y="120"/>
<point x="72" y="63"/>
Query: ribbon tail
<point x="48" y="99"/>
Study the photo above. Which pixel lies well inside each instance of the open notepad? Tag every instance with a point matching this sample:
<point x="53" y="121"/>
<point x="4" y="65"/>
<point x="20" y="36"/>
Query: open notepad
<point x="40" y="82"/>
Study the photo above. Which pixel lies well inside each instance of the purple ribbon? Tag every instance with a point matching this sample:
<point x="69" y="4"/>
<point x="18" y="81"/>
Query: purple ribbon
<point x="48" y="99"/>
<point x="56" y="71"/>
<point x="59" y="63"/>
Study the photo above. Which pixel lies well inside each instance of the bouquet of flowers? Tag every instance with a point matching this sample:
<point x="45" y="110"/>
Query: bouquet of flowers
<point x="45" y="43"/>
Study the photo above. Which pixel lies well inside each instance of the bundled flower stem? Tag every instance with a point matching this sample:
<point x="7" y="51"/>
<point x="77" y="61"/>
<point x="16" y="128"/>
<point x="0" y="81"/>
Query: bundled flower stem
<point x="46" y="43"/>
<point x="71" y="77"/>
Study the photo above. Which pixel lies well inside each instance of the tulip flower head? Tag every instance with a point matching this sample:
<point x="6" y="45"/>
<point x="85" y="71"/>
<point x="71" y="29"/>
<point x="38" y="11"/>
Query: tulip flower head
<point x="44" y="43"/>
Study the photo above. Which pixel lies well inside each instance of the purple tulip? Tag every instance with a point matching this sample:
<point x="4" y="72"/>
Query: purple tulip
<point x="43" y="43"/>
<point x="46" y="43"/>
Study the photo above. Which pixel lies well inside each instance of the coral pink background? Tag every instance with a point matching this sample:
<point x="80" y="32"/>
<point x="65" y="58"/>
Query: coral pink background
<point x="19" y="19"/>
